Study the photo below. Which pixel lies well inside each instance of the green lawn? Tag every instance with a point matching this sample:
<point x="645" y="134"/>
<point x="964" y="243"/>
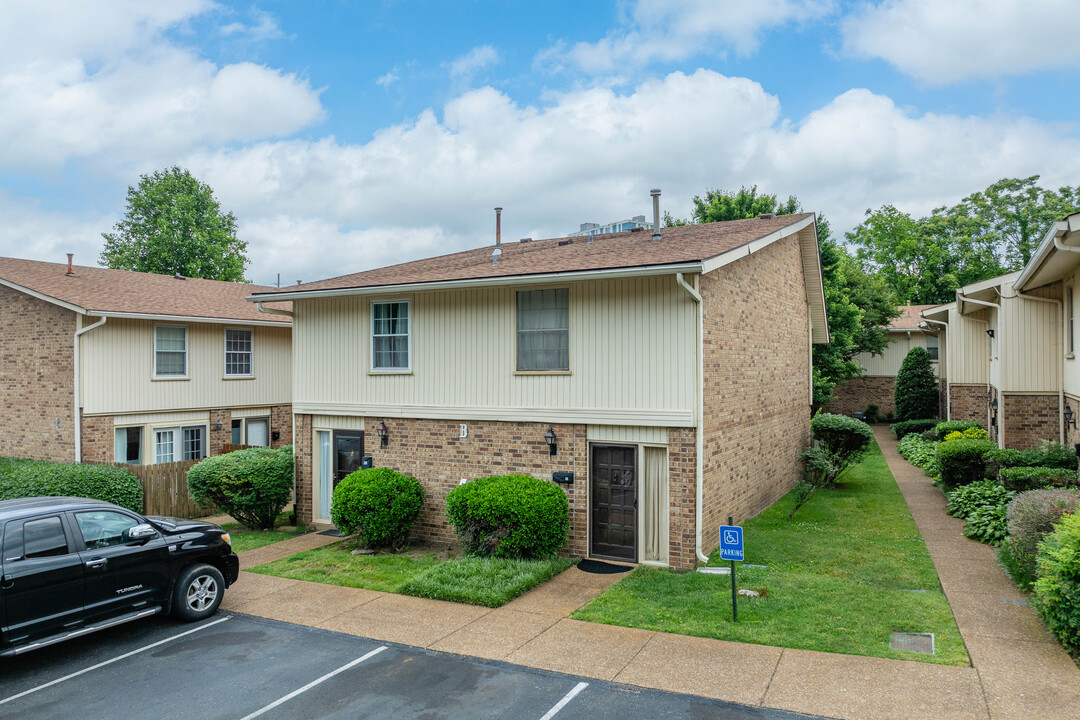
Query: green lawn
<point x="245" y="539"/>
<point x="477" y="581"/>
<point x="837" y="578"/>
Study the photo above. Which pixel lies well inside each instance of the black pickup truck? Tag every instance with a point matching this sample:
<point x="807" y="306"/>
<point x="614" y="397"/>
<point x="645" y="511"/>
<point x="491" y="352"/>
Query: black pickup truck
<point x="71" y="566"/>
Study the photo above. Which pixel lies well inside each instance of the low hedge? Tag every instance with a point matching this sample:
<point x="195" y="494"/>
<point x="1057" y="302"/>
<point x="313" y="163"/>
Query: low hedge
<point x="961" y="461"/>
<point x="1019" y="479"/>
<point x="1057" y="589"/>
<point x="380" y="505"/>
<point x="509" y="516"/>
<point x="906" y="427"/>
<point x="35" y="478"/>
<point x="1051" y="455"/>
<point x="950" y="426"/>
<point x="1030" y="516"/>
<point x="253" y="485"/>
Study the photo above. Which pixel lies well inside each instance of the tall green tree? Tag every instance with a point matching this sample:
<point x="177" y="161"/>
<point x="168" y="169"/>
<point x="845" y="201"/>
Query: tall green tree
<point x="173" y="224"/>
<point x="721" y="205"/>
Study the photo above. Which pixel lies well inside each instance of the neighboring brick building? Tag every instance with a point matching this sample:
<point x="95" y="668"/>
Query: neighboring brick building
<point x="651" y="364"/>
<point x="168" y="368"/>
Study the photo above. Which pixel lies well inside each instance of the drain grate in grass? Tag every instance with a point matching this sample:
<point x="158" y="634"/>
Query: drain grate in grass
<point x="913" y="642"/>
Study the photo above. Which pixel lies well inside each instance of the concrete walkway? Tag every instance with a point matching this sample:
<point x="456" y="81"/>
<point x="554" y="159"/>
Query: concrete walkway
<point x="1019" y="671"/>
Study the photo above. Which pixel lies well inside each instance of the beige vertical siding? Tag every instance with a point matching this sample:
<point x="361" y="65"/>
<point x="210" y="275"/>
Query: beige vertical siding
<point x="1030" y="346"/>
<point x="969" y="348"/>
<point x="631" y="355"/>
<point x="1072" y="364"/>
<point x="888" y="363"/>
<point x="118" y="365"/>
<point x="626" y="434"/>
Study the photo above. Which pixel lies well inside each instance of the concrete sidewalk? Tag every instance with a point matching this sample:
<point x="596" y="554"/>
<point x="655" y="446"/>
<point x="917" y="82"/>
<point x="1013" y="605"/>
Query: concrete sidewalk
<point x="1019" y="670"/>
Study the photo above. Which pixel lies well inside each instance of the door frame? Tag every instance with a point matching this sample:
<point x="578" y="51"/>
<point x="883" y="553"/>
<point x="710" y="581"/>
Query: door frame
<point x="637" y="488"/>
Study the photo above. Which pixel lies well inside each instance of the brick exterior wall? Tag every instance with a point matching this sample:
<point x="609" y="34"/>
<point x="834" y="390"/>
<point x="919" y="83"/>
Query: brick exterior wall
<point x="757" y="367"/>
<point x="943" y="395"/>
<point x="854" y="395"/>
<point x="1029" y="420"/>
<point x="682" y="497"/>
<point x="968" y="402"/>
<point x="37" y="385"/>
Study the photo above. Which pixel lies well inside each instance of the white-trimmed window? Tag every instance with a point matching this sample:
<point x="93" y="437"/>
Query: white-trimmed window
<point x="390" y="335"/>
<point x="932" y="346"/>
<point x="543" y="330"/>
<point x="179" y="443"/>
<point x="128" y="446"/>
<point x="170" y="351"/>
<point x="238" y="352"/>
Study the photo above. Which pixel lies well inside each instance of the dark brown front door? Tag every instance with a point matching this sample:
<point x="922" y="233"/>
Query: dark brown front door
<point x="614" y="501"/>
<point x="348" y="449"/>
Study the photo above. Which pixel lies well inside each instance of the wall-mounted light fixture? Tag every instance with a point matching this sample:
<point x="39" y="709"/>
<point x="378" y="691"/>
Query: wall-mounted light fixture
<point x="990" y="333"/>
<point x="549" y="437"/>
<point x="384" y="439"/>
<point x="1070" y="419"/>
<point x="217" y="425"/>
<point x="994" y="404"/>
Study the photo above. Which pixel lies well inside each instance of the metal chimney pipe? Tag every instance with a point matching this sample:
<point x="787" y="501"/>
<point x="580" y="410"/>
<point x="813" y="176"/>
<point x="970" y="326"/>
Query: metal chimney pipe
<point x="655" y="192"/>
<point x="71" y="271"/>
<point x="498" y="227"/>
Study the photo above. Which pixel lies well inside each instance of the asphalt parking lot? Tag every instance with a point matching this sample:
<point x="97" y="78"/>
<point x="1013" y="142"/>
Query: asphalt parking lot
<point x="237" y="667"/>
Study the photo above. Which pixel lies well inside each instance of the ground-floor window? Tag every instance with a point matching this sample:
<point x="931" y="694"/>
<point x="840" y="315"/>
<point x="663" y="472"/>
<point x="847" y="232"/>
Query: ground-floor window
<point x="179" y="443"/>
<point x="128" y="447"/>
<point x="254" y="431"/>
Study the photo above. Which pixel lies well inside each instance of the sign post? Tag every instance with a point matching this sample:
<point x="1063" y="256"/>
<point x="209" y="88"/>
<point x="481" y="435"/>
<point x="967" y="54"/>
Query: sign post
<point x="731" y="548"/>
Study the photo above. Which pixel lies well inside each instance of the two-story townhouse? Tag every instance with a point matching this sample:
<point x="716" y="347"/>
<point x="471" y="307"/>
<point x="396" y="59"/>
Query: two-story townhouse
<point x="877" y="384"/>
<point x="102" y="365"/>
<point x="662" y="378"/>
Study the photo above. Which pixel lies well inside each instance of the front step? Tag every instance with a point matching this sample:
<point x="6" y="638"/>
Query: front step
<point x="61" y="637"/>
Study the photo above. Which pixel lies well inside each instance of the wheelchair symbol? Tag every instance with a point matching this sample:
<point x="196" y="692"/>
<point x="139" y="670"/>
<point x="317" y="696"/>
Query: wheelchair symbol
<point x="731" y="537"/>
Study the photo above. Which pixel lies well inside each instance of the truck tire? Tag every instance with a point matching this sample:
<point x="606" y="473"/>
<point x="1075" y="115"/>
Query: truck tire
<point x="198" y="593"/>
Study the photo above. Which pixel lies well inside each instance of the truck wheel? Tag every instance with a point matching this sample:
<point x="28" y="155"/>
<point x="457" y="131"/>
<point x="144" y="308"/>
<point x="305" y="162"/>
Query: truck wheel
<point x="198" y="593"/>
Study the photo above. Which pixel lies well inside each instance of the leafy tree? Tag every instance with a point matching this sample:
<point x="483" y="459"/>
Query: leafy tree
<point x="718" y="206"/>
<point x="173" y="224"/>
<point x="916" y="395"/>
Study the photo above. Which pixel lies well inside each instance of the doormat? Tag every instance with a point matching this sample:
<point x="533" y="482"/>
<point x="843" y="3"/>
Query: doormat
<point x="601" y="568"/>
<point x="332" y="533"/>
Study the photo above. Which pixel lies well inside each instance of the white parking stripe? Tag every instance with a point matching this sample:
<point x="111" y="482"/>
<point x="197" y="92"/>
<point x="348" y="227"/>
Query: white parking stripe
<point x="566" y="698"/>
<point x="109" y="662"/>
<point x="313" y="683"/>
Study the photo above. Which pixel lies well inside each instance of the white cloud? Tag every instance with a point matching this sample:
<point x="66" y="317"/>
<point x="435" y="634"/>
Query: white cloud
<point x="391" y="77"/>
<point x="263" y="29"/>
<point x="100" y="80"/>
<point x="665" y="31"/>
<point x="464" y="69"/>
<point x="34" y="233"/>
<point x="946" y="42"/>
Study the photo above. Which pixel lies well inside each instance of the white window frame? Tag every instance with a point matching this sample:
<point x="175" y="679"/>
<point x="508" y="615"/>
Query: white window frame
<point x="517" y="330"/>
<point x="407" y="302"/>
<point x="142" y="444"/>
<point x="936" y="355"/>
<point x="187" y="359"/>
<point x="245" y="433"/>
<point x="250" y="353"/>
<point x="178" y="441"/>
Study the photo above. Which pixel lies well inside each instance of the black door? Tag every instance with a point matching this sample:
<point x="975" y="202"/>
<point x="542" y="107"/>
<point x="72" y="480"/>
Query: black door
<point x="348" y="449"/>
<point x="614" y="501"/>
<point x="42" y="583"/>
<point x="120" y="574"/>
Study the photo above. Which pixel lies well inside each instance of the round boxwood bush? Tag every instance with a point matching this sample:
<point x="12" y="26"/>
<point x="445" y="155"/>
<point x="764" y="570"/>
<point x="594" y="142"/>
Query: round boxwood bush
<point x="917" y="391"/>
<point x="1031" y="515"/>
<point x="509" y="516"/>
<point x="961" y="462"/>
<point x="252" y="485"/>
<point x="35" y="478"/>
<point x="1057" y="589"/>
<point x="380" y="505"/>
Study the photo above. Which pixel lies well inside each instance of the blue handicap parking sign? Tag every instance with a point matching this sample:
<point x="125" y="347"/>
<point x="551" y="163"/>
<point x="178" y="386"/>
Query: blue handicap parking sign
<point x="731" y="542"/>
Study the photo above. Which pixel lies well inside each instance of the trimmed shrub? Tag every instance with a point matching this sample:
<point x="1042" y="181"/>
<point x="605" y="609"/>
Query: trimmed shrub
<point x="1000" y="458"/>
<point x="950" y="426"/>
<point x="964" y="501"/>
<point x="1019" y="479"/>
<point x="961" y="461"/>
<point x="1056" y="455"/>
<point x="253" y="485"/>
<point x="1050" y="455"/>
<point x="872" y="413"/>
<point x="920" y="452"/>
<point x="917" y="391"/>
<point x="845" y="439"/>
<point x="975" y="433"/>
<point x="1057" y="589"/>
<point x="380" y="505"/>
<point x="36" y="478"/>
<point x="1030" y="516"/>
<point x="509" y="516"/>
<point x="907" y="427"/>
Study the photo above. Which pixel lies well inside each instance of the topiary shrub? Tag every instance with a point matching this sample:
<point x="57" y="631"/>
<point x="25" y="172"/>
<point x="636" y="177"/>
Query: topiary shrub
<point x="917" y="391"/>
<point x="1030" y="516"/>
<point x="36" y="478"/>
<point x="509" y="516"/>
<point x="950" y="426"/>
<point x="907" y="427"/>
<point x="253" y="485"/>
<point x="975" y="433"/>
<point x="380" y="505"/>
<point x="1019" y="479"/>
<point x="1057" y="589"/>
<point x="961" y="461"/>
<point x="845" y="439"/>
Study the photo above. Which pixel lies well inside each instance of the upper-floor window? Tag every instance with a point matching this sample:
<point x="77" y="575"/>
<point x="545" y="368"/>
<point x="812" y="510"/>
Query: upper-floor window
<point x="543" y="329"/>
<point x="932" y="346"/>
<point x="390" y="330"/>
<point x="170" y="351"/>
<point x="238" y="352"/>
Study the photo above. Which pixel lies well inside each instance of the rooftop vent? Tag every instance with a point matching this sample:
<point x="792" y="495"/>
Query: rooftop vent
<point x="565" y="242"/>
<point x="70" y="271"/>
<point x="498" y="237"/>
<point x="178" y="276"/>
<point x="637" y="229"/>
<point x="525" y="240"/>
<point x="655" y="192"/>
<point x="766" y="216"/>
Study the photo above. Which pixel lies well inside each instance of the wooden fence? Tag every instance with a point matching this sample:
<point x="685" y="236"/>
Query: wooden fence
<point x="229" y="447"/>
<point x="165" y="490"/>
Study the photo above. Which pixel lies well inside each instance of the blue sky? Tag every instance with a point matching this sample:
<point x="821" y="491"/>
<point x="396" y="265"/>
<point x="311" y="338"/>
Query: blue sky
<point x="346" y="135"/>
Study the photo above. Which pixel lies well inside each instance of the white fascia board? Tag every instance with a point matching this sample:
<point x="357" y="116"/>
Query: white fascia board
<point x="581" y="416"/>
<point x="187" y="318"/>
<point x="989" y="283"/>
<point x="1046" y="249"/>
<point x="499" y="281"/>
<point x="41" y="296"/>
<point x="938" y="310"/>
<point x="737" y="253"/>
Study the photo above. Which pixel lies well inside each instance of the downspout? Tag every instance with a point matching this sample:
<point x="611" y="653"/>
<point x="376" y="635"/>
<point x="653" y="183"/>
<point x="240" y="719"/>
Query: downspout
<point x="1001" y="415"/>
<point x="948" y="391"/>
<point x="1059" y="304"/>
<point x="78" y="410"/>
<point x="700" y="440"/>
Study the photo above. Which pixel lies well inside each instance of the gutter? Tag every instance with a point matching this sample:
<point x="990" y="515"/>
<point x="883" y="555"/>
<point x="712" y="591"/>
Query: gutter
<point x="272" y="311"/>
<point x="78" y="410"/>
<point x="961" y="299"/>
<point x="700" y="433"/>
<point x="948" y="392"/>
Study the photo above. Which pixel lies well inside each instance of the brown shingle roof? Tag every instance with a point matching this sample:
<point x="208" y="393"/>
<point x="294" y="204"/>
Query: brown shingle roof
<point x="121" y="291"/>
<point x="680" y="244"/>
<point x="909" y="317"/>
